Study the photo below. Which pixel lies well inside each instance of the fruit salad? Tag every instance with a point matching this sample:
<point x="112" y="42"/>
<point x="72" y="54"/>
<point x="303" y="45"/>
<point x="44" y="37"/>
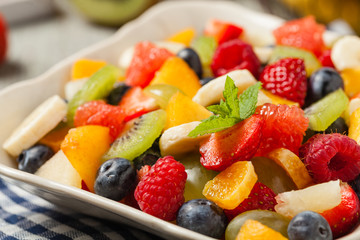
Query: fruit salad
<point x="212" y="132"/>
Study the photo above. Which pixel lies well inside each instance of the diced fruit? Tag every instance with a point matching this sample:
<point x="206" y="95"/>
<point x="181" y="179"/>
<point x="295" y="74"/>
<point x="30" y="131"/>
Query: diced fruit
<point x="135" y="103"/>
<point x="351" y="77"/>
<point x="161" y="93"/>
<point x="84" y="68"/>
<point x="317" y="198"/>
<point x="181" y="109"/>
<point x="286" y="78"/>
<point x="309" y="225"/>
<point x="31" y="159"/>
<point x="237" y="143"/>
<point x="311" y="62"/>
<point x="177" y="72"/>
<point x="192" y="59"/>
<point x="117" y="93"/>
<point x="97" y="87"/>
<point x="330" y="157"/>
<point x="205" y="46"/>
<point x="138" y="135"/>
<point x="302" y="33"/>
<point x="325" y="59"/>
<point x="67" y="176"/>
<point x="284" y="127"/>
<point x="54" y="138"/>
<point x="184" y="36"/>
<point x="231" y="186"/>
<point x="354" y="129"/>
<point x="232" y="55"/>
<point x="84" y="146"/>
<point x="160" y="192"/>
<point x="261" y="197"/>
<point x="353" y="105"/>
<point x="292" y="164"/>
<point x="146" y="60"/>
<point x="345" y="216"/>
<point x="222" y="31"/>
<point x="325" y="111"/>
<point x="72" y="87"/>
<point x="255" y="230"/>
<point x="271" y="219"/>
<point x="202" y="216"/>
<point x="277" y="99"/>
<point x="345" y="52"/>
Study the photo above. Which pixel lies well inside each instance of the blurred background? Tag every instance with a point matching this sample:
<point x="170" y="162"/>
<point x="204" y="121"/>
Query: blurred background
<point x="36" y="34"/>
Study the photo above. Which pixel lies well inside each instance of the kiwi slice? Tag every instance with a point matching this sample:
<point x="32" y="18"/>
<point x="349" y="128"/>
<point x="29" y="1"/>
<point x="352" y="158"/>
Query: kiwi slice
<point x="138" y="136"/>
<point x="324" y="112"/>
<point x="98" y="86"/>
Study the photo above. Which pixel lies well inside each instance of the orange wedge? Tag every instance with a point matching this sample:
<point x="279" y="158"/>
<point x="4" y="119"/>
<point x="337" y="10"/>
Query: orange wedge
<point x="84" y="68"/>
<point x="354" y="126"/>
<point x="254" y="230"/>
<point x="184" y="36"/>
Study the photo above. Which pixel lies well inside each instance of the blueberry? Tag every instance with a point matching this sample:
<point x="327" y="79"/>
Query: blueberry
<point x="205" y="80"/>
<point x="309" y="225"/>
<point x="117" y="93"/>
<point x="115" y="179"/>
<point x="192" y="59"/>
<point x="202" y="216"/>
<point x="31" y="159"/>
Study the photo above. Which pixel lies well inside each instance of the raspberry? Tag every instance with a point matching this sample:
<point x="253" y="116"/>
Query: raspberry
<point x="330" y="157"/>
<point x="232" y="55"/>
<point x="284" y="127"/>
<point x="97" y="112"/>
<point x="261" y="197"/>
<point x="161" y="191"/>
<point x="286" y="78"/>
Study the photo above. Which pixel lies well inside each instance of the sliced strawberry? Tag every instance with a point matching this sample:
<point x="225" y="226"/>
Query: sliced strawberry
<point x="237" y="143"/>
<point x="135" y="103"/>
<point x="222" y="31"/>
<point x="261" y="197"/>
<point x="147" y="59"/>
<point x="325" y="59"/>
<point x="345" y="216"/>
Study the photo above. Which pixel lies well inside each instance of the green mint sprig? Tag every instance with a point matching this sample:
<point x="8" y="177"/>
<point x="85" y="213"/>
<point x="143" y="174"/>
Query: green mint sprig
<point x="231" y="111"/>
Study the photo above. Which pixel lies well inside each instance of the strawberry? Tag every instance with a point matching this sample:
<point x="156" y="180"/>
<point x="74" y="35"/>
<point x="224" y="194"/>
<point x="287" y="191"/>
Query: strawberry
<point x="237" y="143"/>
<point x="344" y="216"/>
<point x="286" y="78"/>
<point x="222" y="31"/>
<point x="260" y="197"/>
<point x="325" y="59"/>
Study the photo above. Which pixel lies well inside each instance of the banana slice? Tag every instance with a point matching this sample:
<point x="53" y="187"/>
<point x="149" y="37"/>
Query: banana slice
<point x="212" y="92"/>
<point x="43" y="119"/>
<point x="263" y="53"/>
<point x="175" y="141"/>
<point x="346" y="53"/>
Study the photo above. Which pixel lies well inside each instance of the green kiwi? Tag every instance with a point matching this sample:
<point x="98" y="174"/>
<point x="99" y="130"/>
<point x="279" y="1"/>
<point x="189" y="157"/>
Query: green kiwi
<point x="138" y="136"/>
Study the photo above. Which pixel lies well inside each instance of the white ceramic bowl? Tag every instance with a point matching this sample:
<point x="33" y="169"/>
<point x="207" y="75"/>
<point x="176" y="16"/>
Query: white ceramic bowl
<point x="159" y="22"/>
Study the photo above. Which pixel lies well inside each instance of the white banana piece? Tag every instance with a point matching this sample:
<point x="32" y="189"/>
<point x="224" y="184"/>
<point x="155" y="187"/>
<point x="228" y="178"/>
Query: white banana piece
<point x="212" y="92"/>
<point x="36" y="125"/>
<point x="346" y="53"/>
<point x="263" y="53"/>
<point x="175" y="141"/>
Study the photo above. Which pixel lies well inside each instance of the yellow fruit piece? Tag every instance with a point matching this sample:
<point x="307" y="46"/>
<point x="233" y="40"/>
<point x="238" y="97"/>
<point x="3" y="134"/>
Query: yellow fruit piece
<point x="254" y="230"/>
<point x="84" y="68"/>
<point x="84" y="147"/>
<point x="277" y="99"/>
<point x="181" y="109"/>
<point x="54" y="138"/>
<point x="231" y="186"/>
<point x="354" y="127"/>
<point x="177" y="72"/>
<point x="293" y="166"/>
<point x="184" y="36"/>
<point x="351" y="78"/>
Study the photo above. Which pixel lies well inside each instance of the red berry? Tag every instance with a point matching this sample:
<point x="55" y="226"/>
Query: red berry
<point x="147" y="59"/>
<point x="237" y="143"/>
<point x="286" y="78"/>
<point x="97" y="112"/>
<point x="222" y="31"/>
<point x="3" y="38"/>
<point x="344" y="216"/>
<point x="302" y="33"/>
<point x="284" y="127"/>
<point x="331" y="156"/>
<point x="325" y="59"/>
<point x="261" y="197"/>
<point x="232" y="55"/>
<point x="161" y="191"/>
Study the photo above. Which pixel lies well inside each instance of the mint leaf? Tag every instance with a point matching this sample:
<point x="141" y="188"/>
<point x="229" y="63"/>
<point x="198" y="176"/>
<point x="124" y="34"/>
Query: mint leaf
<point x="213" y="124"/>
<point x="231" y="97"/>
<point x="248" y="100"/>
<point x="222" y="109"/>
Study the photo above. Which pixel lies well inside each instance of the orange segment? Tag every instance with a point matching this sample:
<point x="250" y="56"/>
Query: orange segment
<point x="254" y="230"/>
<point x="354" y="126"/>
<point x="293" y="166"/>
<point x="84" y="68"/>
<point x="176" y="72"/>
<point x="84" y="147"/>
<point x="278" y="100"/>
<point x="54" y="138"/>
<point x="351" y="78"/>
<point x="184" y="36"/>
<point x="182" y="109"/>
<point x="231" y="186"/>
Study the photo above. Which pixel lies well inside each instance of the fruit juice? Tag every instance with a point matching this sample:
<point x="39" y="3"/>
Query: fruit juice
<point x="212" y="133"/>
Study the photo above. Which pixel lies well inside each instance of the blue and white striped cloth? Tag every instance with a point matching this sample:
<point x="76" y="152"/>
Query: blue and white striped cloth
<point x="26" y="216"/>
